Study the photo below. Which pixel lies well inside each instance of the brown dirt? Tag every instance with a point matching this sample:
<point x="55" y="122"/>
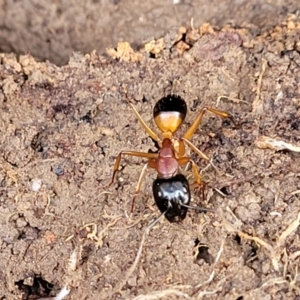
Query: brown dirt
<point x="53" y="30"/>
<point x="62" y="127"/>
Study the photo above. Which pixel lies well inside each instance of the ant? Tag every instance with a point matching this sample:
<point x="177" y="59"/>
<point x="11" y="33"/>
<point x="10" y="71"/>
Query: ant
<point x="171" y="189"/>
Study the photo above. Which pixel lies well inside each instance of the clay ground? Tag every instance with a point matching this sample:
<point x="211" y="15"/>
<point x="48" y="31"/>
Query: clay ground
<point x="53" y="30"/>
<point x="62" y="128"/>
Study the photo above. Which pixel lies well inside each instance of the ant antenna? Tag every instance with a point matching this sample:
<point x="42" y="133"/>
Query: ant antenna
<point x="157" y="219"/>
<point x="198" y="208"/>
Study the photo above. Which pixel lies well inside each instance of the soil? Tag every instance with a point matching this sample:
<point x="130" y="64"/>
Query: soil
<point x="53" y="30"/>
<point x="63" y="127"/>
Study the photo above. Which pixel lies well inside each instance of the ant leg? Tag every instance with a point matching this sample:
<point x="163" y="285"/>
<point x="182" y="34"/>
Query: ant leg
<point x="200" y="153"/>
<point x="151" y="164"/>
<point x="196" y="174"/>
<point x="198" y="179"/>
<point x="139" y="184"/>
<point x="183" y="160"/>
<point x="199" y="182"/>
<point x="195" y="149"/>
<point x="190" y="132"/>
<point x="151" y="133"/>
<point x="181" y="147"/>
<point x="130" y="153"/>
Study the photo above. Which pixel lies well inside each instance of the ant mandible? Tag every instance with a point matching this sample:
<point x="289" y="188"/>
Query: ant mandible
<point x="171" y="189"/>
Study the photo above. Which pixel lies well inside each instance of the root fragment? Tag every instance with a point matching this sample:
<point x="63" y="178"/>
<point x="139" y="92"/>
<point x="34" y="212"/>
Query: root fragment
<point x="257" y="105"/>
<point x="129" y="272"/>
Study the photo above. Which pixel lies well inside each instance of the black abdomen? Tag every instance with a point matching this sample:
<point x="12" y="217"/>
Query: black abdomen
<point x="170" y="103"/>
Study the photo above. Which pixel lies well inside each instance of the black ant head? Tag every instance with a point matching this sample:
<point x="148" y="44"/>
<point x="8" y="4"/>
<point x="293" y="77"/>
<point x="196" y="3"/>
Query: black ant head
<point x="172" y="196"/>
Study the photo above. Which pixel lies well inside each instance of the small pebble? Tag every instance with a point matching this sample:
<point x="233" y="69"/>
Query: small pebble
<point x="36" y="184"/>
<point x="58" y="170"/>
<point x="21" y="222"/>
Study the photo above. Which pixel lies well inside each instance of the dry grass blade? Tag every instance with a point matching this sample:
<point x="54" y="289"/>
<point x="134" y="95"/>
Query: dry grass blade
<point x="257" y="105"/>
<point x="290" y="229"/>
<point x="122" y="282"/>
<point x="264" y="142"/>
